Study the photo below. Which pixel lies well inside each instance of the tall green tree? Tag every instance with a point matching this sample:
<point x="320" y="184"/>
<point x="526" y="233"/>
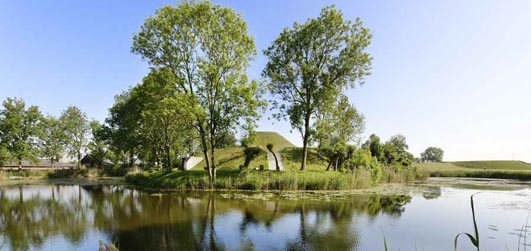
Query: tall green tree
<point x="166" y="122"/>
<point x="310" y="64"/>
<point x="20" y="129"/>
<point x="53" y="139"/>
<point x="122" y="128"/>
<point x="374" y="145"/>
<point x="97" y="145"/>
<point x="395" y="151"/>
<point x="207" y="48"/>
<point x="338" y="120"/>
<point x="76" y="128"/>
<point x="432" y="154"/>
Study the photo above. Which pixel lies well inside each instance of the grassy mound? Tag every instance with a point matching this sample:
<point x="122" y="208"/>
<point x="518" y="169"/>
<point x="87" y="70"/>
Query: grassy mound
<point x="478" y="169"/>
<point x="278" y="141"/>
<point x="495" y="164"/>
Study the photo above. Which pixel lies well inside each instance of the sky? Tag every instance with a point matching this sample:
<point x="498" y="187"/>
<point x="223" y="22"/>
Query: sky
<point x="451" y="74"/>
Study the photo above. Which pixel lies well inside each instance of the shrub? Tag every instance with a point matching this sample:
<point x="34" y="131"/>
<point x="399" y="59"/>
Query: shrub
<point x="250" y="154"/>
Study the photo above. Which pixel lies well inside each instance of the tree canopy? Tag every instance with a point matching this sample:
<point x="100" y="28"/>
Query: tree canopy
<point x="432" y="154"/>
<point x="206" y="48"/>
<point x="310" y="64"/>
<point x="76" y="128"/>
<point x="20" y="128"/>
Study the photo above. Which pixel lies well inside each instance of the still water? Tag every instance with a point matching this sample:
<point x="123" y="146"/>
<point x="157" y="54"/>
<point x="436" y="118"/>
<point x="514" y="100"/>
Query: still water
<point x="414" y="217"/>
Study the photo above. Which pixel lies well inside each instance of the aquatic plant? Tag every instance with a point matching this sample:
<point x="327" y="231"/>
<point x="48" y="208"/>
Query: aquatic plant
<point x="474" y="239"/>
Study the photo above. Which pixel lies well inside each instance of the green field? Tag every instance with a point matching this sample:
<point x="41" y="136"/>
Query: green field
<point x="505" y="169"/>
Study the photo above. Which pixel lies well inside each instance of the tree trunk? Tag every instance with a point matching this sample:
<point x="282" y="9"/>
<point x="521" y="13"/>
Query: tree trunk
<point x="305" y="140"/>
<point x="213" y="163"/>
<point x="168" y="159"/>
<point x="204" y="147"/>
<point x="329" y="165"/>
<point x="78" y="159"/>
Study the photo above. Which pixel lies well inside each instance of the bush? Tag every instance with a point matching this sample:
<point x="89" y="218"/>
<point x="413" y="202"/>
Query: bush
<point x="68" y="173"/>
<point x="250" y="154"/>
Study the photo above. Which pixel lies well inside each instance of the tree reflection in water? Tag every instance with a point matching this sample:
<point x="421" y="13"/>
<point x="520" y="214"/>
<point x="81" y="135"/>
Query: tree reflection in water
<point x="135" y="220"/>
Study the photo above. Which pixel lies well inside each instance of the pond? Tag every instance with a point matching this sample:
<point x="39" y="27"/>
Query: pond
<point x="423" y="216"/>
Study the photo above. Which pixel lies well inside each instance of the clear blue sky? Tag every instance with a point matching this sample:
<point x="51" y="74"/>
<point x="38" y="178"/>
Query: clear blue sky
<point x="453" y="74"/>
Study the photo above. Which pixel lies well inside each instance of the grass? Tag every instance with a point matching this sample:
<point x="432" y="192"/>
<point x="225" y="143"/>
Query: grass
<point x="232" y="158"/>
<point x="495" y="164"/>
<point x="292" y="156"/>
<point x="279" y="142"/>
<point x="478" y="169"/>
<point x="232" y="179"/>
<point x="25" y="174"/>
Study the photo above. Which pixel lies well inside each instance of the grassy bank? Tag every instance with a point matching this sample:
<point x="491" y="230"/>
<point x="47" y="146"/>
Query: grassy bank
<point x="478" y="169"/>
<point x="89" y="173"/>
<point x="267" y="180"/>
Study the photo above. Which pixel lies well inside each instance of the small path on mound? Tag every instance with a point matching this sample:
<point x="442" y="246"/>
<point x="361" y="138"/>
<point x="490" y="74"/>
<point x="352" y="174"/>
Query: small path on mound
<point x="271" y="161"/>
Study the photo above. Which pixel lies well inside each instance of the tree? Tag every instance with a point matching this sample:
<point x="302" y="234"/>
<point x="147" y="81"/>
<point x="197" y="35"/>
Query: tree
<point x="395" y="151"/>
<point x="375" y="147"/>
<point x="432" y="154"/>
<point x="225" y="139"/>
<point x="311" y="64"/>
<point x="20" y="128"/>
<point x="76" y="128"/>
<point x="339" y="121"/>
<point x="53" y="139"/>
<point x="207" y="48"/>
<point x="97" y="146"/>
<point x="122" y="127"/>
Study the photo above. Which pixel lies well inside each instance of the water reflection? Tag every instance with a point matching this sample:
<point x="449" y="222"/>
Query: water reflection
<point x="30" y="216"/>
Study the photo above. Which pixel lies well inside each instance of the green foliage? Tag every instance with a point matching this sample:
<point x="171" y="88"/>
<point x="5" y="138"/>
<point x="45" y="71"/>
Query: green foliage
<point x="432" y="154"/>
<point x="76" y="129"/>
<point x="206" y="47"/>
<point x="264" y="180"/>
<point x="339" y="120"/>
<point x="53" y="139"/>
<point x="20" y="129"/>
<point x="98" y="148"/>
<point x="375" y="147"/>
<point x="250" y="154"/>
<point x="225" y="139"/>
<point x="310" y="64"/>
<point x="362" y="159"/>
<point x="67" y="173"/>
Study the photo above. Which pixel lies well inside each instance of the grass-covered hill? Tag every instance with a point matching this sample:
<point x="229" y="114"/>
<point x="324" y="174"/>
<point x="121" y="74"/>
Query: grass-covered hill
<point x="494" y="164"/>
<point x="480" y="169"/>
<point x="279" y="142"/>
<point x="233" y="157"/>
